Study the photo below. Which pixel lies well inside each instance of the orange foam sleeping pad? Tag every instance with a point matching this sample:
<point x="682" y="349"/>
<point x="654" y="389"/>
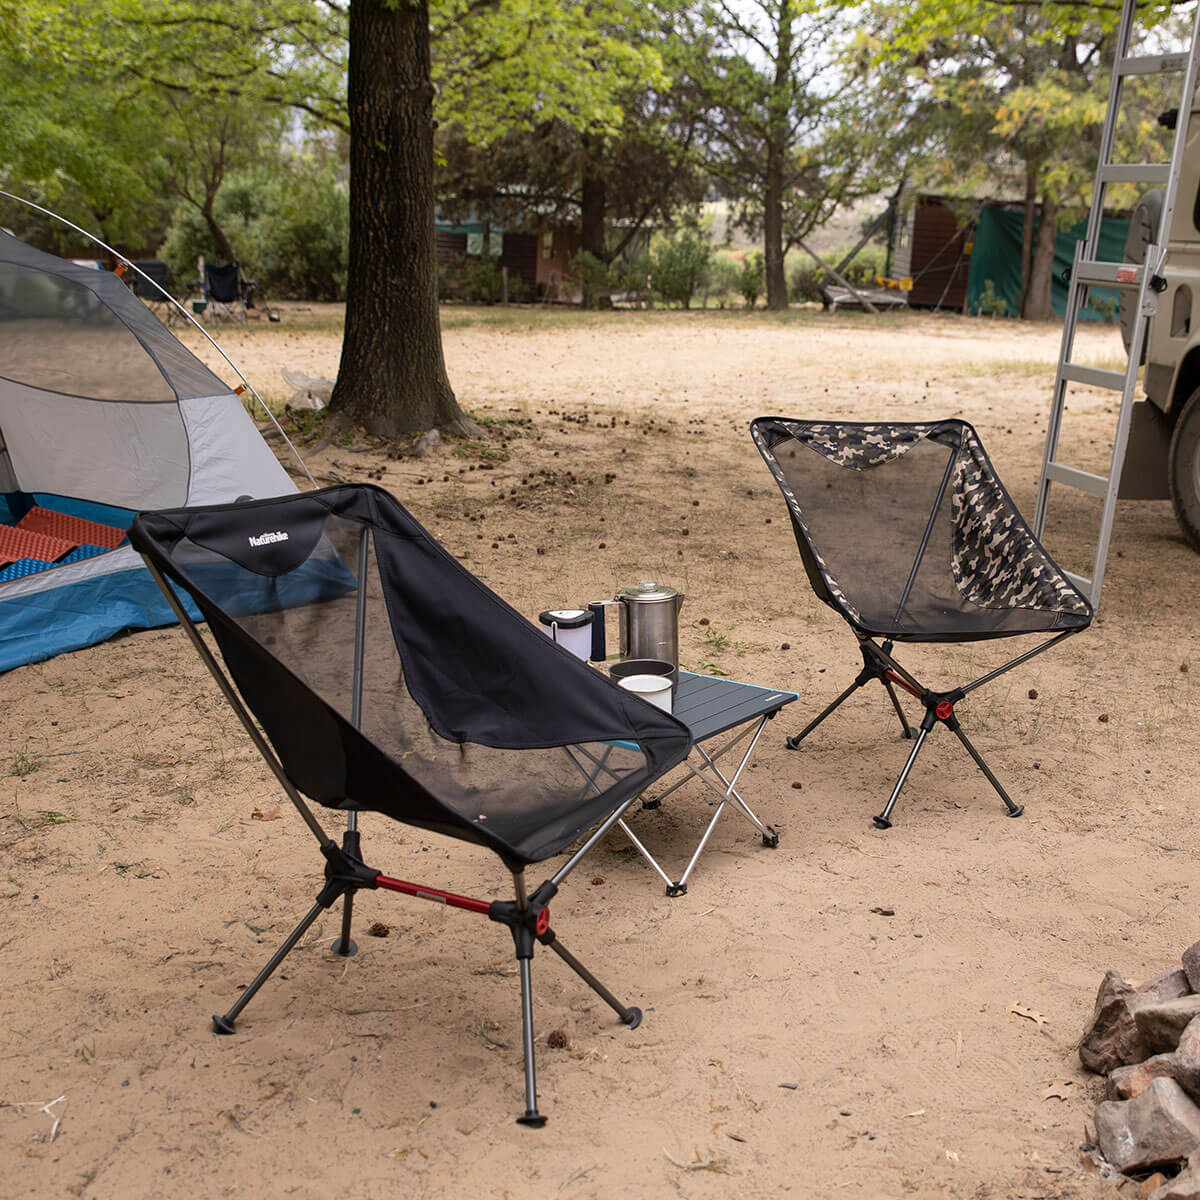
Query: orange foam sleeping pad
<point x="16" y="543"/>
<point x="75" y="530"/>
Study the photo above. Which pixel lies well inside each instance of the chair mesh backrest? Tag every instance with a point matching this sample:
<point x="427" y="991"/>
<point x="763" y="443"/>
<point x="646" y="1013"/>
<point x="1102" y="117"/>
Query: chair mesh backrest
<point x="222" y="282"/>
<point x="472" y="722"/>
<point x="906" y="530"/>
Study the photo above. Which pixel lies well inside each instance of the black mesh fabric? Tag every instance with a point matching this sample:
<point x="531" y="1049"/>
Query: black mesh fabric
<point x="473" y="723"/>
<point x="905" y="529"/>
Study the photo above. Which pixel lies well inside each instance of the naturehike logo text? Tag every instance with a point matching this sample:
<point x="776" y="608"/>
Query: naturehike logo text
<point x="265" y="539"/>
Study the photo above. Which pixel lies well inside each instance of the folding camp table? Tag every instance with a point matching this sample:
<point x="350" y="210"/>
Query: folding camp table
<point x="709" y="708"/>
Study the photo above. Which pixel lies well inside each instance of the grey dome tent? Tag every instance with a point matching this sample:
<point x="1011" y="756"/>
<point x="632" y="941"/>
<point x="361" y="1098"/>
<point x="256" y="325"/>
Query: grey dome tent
<point x="103" y="412"/>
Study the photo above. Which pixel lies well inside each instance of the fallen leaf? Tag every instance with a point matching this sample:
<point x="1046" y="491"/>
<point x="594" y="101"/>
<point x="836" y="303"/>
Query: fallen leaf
<point x="272" y="815"/>
<point x="951" y="1155"/>
<point x="1058" y="1089"/>
<point x="1030" y="1014"/>
<point x="916" y="1112"/>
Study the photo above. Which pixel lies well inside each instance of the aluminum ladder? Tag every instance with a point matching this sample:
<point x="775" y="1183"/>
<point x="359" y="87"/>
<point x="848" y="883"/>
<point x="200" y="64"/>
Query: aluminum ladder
<point x="1144" y="279"/>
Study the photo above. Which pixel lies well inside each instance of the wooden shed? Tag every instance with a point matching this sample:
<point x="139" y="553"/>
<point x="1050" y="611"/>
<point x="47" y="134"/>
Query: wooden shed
<point x="932" y="244"/>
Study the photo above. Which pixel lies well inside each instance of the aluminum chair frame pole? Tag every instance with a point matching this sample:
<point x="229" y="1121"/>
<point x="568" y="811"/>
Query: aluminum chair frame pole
<point x="345" y="945"/>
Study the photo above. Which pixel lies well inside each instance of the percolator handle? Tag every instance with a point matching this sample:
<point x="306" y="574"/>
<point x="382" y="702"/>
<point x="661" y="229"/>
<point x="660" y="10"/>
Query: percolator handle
<point x="599" y="645"/>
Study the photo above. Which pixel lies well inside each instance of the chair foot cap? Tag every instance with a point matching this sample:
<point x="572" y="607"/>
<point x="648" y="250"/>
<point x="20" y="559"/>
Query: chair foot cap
<point x="881" y="822"/>
<point x="676" y="889"/>
<point x="793" y="743"/>
<point x="1016" y="812"/>
<point x="534" y="1120"/>
<point x="632" y="1017"/>
<point x="651" y="804"/>
<point x="347" y="949"/>
<point x="771" y="840"/>
<point x="223" y="1025"/>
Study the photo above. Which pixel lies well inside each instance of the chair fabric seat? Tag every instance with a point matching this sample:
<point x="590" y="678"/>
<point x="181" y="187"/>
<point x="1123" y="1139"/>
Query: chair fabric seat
<point x="906" y="530"/>
<point x="469" y="721"/>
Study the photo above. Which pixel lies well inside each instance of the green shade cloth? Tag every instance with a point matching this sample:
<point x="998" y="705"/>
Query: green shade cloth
<point x="997" y="257"/>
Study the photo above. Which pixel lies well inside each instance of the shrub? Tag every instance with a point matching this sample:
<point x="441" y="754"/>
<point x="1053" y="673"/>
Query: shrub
<point x="483" y="284"/>
<point x="593" y="275"/>
<point x="751" y="281"/>
<point x="989" y="302"/>
<point x="724" y="276"/>
<point x="682" y="264"/>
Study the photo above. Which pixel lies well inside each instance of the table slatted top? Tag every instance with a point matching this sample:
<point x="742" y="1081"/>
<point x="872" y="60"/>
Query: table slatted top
<point x="708" y="706"/>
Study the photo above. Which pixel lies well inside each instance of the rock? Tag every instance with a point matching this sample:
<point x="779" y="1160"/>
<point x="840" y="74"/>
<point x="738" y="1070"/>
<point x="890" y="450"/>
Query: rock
<point x="1186" y="1071"/>
<point x="1159" y="1127"/>
<point x="1170" y="985"/>
<point x="309" y="391"/>
<point x="1150" y="1184"/>
<point x="1160" y="1024"/>
<point x="1185" y="1185"/>
<point x="1112" y="1038"/>
<point x="1191" y="966"/>
<point x="1126" y="1082"/>
<point x="427" y="443"/>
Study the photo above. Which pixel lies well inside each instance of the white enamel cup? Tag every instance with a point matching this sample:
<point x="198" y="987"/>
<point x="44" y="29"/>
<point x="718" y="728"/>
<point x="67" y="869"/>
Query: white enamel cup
<point x="655" y="689"/>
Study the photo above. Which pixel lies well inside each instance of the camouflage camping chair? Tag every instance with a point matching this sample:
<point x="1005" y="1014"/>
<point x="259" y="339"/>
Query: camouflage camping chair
<point x="907" y="533"/>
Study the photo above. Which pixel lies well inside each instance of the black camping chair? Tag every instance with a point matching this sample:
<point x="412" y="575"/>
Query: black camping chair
<point x="226" y="292"/>
<point x="387" y="678"/>
<point x="907" y="533"/>
<point x="151" y="284"/>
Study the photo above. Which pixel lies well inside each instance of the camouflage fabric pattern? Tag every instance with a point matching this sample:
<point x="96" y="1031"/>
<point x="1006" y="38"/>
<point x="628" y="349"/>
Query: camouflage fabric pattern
<point x="995" y="559"/>
<point x="858" y="446"/>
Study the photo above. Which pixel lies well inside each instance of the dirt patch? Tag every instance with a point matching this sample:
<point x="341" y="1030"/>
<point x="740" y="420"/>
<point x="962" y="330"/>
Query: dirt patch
<point x="839" y="1016"/>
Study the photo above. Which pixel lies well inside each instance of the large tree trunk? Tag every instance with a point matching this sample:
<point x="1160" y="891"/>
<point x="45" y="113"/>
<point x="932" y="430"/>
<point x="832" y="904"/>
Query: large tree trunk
<point x="1041" y="274"/>
<point x="776" y="280"/>
<point x="224" y="246"/>
<point x="593" y="203"/>
<point x="1031" y="182"/>
<point x="392" y="377"/>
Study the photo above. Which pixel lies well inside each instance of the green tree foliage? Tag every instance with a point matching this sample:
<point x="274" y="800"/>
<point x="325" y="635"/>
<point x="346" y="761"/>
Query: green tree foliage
<point x="290" y="222"/>
<point x="792" y="125"/>
<point x="1013" y="100"/>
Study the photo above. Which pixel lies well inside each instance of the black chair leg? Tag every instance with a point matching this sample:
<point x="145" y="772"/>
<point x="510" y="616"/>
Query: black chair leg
<point x="629" y="1015"/>
<point x="793" y="743"/>
<point x="225" y="1024"/>
<point x="345" y="945"/>
<point x="883" y="821"/>
<point x="1014" y="810"/>
<point x="531" y="1116"/>
<point x="906" y="730"/>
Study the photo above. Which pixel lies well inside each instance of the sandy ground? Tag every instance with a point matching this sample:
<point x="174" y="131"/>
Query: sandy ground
<point x="797" y="1039"/>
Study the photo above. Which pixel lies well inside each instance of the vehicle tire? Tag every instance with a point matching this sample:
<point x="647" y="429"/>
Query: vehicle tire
<point x="1183" y="470"/>
<point x="1143" y="227"/>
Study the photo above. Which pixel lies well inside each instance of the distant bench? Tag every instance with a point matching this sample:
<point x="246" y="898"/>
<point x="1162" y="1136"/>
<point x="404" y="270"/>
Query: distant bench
<point x="834" y="296"/>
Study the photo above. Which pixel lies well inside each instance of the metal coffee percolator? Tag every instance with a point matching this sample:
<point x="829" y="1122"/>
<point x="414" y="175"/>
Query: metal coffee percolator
<point x="649" y="623"/>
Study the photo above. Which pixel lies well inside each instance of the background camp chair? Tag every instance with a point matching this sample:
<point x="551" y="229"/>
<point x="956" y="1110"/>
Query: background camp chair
<point x="151" y="284"/>
<point x="226" y="292"/>
<point x="907" y="533"/>
<point x="385" y="677"/>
